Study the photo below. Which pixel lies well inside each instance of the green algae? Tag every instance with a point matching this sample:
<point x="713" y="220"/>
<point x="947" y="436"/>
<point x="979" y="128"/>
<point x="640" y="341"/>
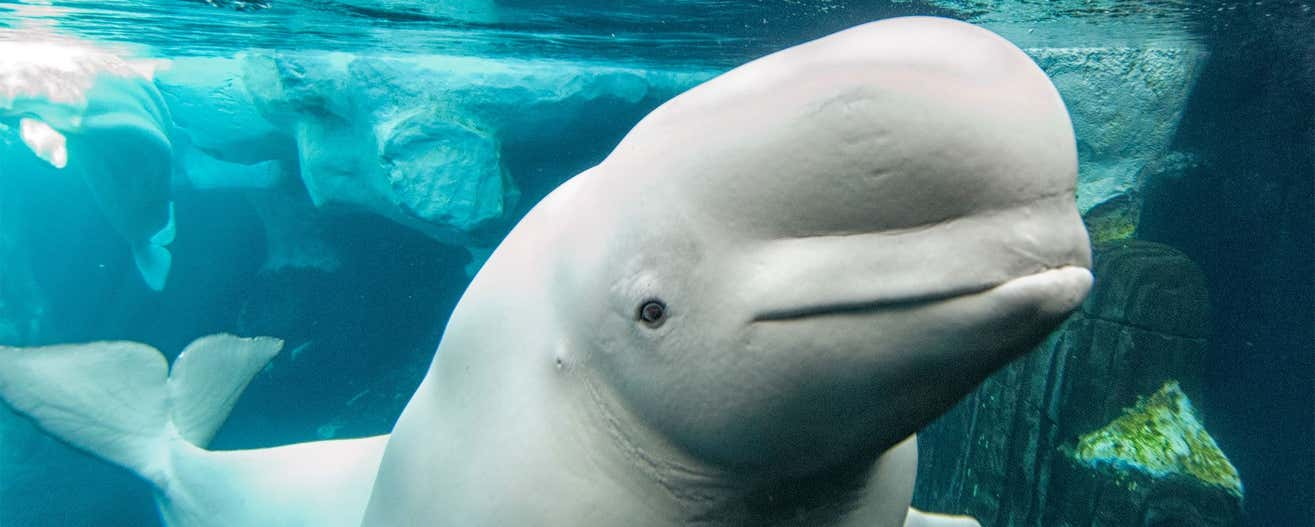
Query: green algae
<point x="1161" y="436"/>
<point x="1113" y="220"/>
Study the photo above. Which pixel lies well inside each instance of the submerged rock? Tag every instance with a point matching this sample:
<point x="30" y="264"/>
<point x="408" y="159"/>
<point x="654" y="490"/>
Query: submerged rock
<point x="1126" y="93"/>
<point x="1153" y="465"/>
<point x="1113" y="220"/>
<point x="295" y="237"/>
<point x="1146" y="322"/>
<point x="1159" y="438"/>
<point x="1125" y="71"/>
<point x="365" y="139"/>
<point x="1126" y="104"/>
<point x="207" y="173"/>
<point x="418" y="139"/>
<point x="214" y="111"/>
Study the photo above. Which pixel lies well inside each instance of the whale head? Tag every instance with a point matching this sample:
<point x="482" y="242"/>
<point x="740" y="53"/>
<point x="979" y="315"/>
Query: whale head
<point x="774" y="278"/>
<point x="810" y="257"/>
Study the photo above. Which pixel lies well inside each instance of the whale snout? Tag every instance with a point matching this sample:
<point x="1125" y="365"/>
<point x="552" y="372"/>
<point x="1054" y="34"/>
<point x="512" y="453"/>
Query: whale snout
<point x="886" y="269"/>
<point x="887" y="369"/>
<point x="888" y="329"/>
<point x="1050" y="295"/>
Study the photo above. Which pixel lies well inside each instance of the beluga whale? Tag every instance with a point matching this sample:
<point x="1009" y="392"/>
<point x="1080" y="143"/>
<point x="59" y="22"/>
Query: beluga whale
<point x="741" y="317"/>
<point x="743" y="314"/>
<point x="86" y="111"/>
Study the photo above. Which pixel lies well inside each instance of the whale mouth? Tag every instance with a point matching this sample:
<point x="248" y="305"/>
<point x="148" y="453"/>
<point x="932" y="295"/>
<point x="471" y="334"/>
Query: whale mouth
<point x="1062" y="288"/>
<point x="855" y="307"/>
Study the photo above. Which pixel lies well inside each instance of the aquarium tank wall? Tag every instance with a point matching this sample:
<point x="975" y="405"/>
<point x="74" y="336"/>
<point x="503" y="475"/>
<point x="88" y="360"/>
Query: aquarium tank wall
<point x="333" y="173"/>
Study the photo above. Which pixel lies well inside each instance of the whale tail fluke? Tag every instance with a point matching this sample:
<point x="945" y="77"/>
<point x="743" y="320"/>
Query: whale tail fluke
<point x="208" y="377"/>
<point x="153" y="259"/>
<point x="121" y="402"/>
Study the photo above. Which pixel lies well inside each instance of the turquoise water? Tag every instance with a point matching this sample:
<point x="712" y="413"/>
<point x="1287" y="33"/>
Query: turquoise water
<point x="338" y="170"/>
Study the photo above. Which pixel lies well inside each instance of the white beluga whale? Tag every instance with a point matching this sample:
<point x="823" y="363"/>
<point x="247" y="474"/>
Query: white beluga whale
<point x="744" y="312"/>
<point x="740" y="317"/>
<point x="86" y="111"/>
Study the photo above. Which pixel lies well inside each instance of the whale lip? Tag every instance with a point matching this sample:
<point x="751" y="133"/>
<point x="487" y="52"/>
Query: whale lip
<point x="1060" y="289"/>
<point x="809" y="311"/>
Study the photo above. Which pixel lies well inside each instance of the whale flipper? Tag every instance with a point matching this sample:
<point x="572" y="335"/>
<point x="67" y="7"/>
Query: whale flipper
<point x="166" y="234"/>
<point x="119" y="401"/>
<point x="153" y="262"/>
<point x="153" y="259"/>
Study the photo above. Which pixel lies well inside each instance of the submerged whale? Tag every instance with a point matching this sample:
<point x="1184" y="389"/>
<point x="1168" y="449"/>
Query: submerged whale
<point x="91" y="113"/>
<point x="740" y="317"/>
<point x="743" y="313"/>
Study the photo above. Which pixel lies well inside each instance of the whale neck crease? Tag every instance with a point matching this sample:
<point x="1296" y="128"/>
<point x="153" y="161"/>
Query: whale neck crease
<point x="707" y="496"/>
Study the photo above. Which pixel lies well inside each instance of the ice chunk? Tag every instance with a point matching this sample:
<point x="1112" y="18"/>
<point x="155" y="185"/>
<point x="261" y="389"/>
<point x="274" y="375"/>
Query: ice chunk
<point x="212" y="108"/>
<point x="419" y="139"/>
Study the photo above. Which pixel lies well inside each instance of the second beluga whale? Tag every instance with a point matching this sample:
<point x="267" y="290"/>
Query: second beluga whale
<point x="86" y="111"/>
<point x="740" y="317"/>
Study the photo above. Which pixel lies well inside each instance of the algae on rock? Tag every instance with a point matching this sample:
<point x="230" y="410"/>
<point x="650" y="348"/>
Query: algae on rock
<point x="1153" y="465"/>
<point x="1113" y="220"/>
<point x="1160" y="436"/>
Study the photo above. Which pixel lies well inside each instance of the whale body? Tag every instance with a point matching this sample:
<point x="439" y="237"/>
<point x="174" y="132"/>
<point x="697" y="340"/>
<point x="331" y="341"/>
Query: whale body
<point x="740" y="317"/>
<point x="89" y="112"/>
<point x="743" y="314"/>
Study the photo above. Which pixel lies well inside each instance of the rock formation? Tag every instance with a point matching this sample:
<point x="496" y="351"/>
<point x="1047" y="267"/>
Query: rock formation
<point x="417" y="139"/>
<point x="1154" y="465"/>
<point x="1145" y="323"/>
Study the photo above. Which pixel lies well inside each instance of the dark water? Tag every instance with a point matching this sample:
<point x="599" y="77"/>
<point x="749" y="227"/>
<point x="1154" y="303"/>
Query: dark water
<point x="1253" y="230"/>
<point x="1242" y="211"/>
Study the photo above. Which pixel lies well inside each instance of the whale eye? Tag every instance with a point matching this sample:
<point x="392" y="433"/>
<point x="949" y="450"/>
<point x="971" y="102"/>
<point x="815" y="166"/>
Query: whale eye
<point x="652" y="313"/>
